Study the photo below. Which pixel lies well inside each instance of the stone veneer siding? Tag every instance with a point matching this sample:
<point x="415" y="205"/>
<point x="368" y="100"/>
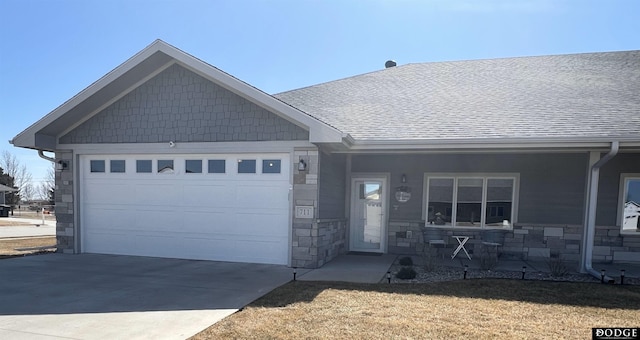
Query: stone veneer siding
<point x="64" y="208"/>
<point x="314" y="241"/>
<point x="527" y="241"/>
<point x="182" y="106"/>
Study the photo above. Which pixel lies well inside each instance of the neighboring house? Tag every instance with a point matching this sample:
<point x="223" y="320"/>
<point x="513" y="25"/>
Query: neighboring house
<point x="169" y="156"/>
<point x="631" y="216"/>
<point x="3" y="192"/>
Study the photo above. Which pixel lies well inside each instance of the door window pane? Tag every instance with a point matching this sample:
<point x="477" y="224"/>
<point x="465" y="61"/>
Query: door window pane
<point x="216" y="166"/>
<point x="143" y="166"/>
<point x="368" y="215"/>
<point x="165" y="166"/>
<point x="271" y="166"/>
<point x="117" y="166"/>
<point x="499" y="202"/>
<point x="469" y="203"/>
<point x="97" y="166"/>
<point x="440" y="201"/>
<point x="631" y="215"/>
<point x="193" y="166"/>
<point x="247" y="166"/>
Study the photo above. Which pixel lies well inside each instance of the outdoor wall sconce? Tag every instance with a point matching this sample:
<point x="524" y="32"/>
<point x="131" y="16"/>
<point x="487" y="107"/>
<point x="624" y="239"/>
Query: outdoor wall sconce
<point x="62" y="165"/>
<point x="302" y="165"/>
<point x="403" y="193"/>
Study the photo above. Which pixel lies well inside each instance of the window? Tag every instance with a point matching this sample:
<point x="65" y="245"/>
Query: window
<point x="193" y="166"/>
<point x="165" y="166"/>
<point x="143" y="166"/>
<point x="246" y="166"/>
<point x="271" y="166"/>
<point x="470" y="201"/>
<point x="117" y="166"/>
<point x="217" y="166"/>
<point x="97" y="165"/>
<point x="630" y="194"/>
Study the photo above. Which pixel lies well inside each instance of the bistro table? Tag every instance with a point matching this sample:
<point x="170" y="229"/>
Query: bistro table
<point x="461" y="242"/>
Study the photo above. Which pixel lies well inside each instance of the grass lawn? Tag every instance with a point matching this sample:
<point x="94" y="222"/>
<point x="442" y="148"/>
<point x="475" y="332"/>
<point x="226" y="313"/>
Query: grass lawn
<point x="474" y="309"/>
<point x="8" y="246"/>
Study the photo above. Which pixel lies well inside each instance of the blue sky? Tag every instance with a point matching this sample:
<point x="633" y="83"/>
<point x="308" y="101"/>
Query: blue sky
<point x="51" y="50"/>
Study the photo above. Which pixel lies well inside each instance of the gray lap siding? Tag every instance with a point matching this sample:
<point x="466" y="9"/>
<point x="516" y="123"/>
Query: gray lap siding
<point x="552" y="186"/>
<point x="550" y="201"/>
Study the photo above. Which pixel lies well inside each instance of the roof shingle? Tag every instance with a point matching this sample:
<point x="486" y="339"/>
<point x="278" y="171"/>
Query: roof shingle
<point x="563" y="96"/>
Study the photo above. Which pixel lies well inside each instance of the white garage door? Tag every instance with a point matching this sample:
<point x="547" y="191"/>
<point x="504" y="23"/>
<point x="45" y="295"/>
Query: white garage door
<point x="210" y="207"/>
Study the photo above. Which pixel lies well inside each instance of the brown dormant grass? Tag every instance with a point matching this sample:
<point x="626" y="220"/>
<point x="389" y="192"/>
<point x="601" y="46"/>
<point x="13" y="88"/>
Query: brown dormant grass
<point x="473" y="309"/>
<point x="8" y="245"/>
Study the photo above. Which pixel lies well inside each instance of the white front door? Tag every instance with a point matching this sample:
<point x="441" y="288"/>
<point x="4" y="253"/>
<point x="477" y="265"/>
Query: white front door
<point x="368" y="214"/>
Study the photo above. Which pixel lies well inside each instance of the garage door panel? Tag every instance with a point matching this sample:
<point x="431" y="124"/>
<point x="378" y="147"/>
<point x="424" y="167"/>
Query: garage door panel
<point x="264" y="196"/>
<point x="106" y="218"/>
<point x="258" y="223"/>
<point x="110" y="243"/>
<point x="226" y="217"/>
<point x="208" y="195"/>
<point x="162" y="219"/>
<point x="104" y="192"/>
<point x="161" y="194"/>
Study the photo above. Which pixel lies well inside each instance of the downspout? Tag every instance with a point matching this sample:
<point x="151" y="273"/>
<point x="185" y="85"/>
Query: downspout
<point x="43" y="156"/>
<point x="590" y="225"/>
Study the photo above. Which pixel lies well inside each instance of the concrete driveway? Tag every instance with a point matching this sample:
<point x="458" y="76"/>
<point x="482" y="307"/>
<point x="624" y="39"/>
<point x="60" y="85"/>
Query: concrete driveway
<point x="60" y="296"/>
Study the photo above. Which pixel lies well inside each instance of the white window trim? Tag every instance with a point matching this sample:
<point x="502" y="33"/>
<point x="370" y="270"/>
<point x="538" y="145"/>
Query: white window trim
<point x="484" y="176"/>
<point x="622" y="193"/>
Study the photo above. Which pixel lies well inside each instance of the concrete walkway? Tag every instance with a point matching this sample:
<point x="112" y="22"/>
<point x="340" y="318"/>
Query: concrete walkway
<point x="540" y="265"/>
<point x="352" y="268"/>
<point x="90" y="296"/>
<point x="373" y="269"/>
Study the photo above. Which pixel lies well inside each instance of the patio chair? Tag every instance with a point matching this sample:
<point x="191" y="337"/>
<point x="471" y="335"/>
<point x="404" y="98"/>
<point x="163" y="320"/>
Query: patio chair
<point x="433" y="238"/>
<point x="493" y="238"/>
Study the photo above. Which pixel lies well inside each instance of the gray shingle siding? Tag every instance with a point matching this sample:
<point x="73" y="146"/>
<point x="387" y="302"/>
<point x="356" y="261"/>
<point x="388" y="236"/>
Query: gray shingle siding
<point x="180" y="105"/>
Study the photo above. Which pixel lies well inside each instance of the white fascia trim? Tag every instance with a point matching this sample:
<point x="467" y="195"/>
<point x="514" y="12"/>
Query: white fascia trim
<point x="319" y="132"/>
<point x="187" y="148"/>
<point x="27" y="137"/>
<point x="504" y="144"/>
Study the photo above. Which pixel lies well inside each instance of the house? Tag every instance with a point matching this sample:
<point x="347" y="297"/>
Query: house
<point x="3" y="192"/>
<point x="169" y="156"/>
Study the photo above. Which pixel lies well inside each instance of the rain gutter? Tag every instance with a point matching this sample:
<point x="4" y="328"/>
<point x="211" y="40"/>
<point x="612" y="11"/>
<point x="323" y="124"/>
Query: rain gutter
<point x="586" y="257"/>
<point x="43" y="156"/>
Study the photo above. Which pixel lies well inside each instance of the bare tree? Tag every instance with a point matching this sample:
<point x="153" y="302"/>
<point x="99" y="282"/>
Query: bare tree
<point x="27" y="192"/>
<point x="22" y="177"/>
<point x="47" y="187"/>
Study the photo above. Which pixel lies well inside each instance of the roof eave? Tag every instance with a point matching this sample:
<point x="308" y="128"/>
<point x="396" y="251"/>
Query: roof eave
<point x="496" y="144"/>
<point x="319" y="132"/>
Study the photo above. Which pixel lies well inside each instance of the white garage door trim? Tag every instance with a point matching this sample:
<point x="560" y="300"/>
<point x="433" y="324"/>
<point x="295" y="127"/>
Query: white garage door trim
<point x="230" y="216"/>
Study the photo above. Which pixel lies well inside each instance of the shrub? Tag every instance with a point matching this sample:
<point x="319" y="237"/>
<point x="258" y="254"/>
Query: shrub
<point x="406" y="261"/>
<point x="557" y="267"/>
<point x="406" y="273"/>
